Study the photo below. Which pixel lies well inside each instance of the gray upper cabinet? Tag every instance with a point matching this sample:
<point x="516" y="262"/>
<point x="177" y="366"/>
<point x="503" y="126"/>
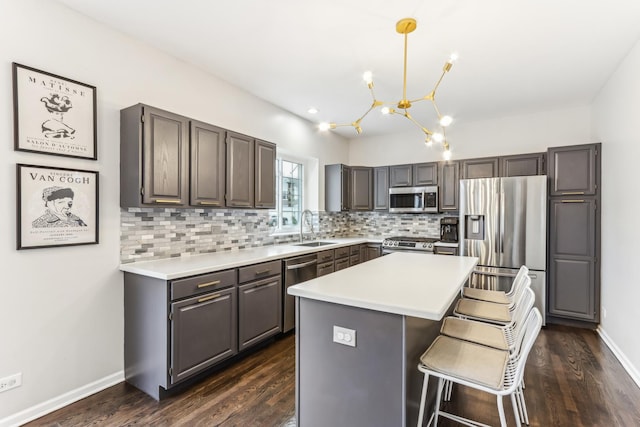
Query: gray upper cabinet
<point x="400" y="176"/>
<point x="573" y="170"/>
<point x="207" y="144"/>
<point x="522" y="165"/>
<point x="361" y="188"/>
<point x="486" y="167"/>
<point x="154" y="150"/>
<point x="425" y="174"/>
<point x="381" y="188"/>
<point x="240" y="171"/>
<point x="265" y="179"/>
<point x="337" y="188"/>
<point x="449" y="186"/>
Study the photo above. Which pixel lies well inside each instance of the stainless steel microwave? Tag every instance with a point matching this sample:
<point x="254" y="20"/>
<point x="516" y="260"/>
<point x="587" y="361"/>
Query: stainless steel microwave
<point x="413" y="199"/>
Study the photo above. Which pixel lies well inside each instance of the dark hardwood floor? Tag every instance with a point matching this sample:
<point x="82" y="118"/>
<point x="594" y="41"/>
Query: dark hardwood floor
<point x="572" y="379"/>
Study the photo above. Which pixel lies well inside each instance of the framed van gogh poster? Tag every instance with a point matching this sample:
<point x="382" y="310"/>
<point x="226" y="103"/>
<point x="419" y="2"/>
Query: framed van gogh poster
<point x="53" y="114"/>
<point x="56" y="207"/>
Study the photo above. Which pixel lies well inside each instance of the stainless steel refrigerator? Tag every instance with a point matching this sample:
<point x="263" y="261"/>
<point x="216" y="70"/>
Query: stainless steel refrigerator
<point x="503" y="221"/>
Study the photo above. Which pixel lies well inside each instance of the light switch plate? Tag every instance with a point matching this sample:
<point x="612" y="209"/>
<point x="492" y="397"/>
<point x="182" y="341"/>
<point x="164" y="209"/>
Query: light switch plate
<point x="344" y="336"/>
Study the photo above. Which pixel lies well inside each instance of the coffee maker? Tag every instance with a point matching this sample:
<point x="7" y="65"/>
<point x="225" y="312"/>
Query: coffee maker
<point x="449" y="229"/>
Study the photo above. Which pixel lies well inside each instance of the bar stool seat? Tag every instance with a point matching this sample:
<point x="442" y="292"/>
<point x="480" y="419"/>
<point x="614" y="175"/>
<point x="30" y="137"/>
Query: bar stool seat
<point x="487" y="311"/>
<point x="497" y="297"/>
<point x="474" y="331"/>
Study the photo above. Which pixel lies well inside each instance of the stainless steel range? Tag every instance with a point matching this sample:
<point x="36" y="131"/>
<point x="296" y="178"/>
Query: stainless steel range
<point x="408" y="244"/>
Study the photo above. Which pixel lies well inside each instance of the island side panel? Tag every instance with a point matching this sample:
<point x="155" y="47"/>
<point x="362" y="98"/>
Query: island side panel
<point x="341" y="385"/>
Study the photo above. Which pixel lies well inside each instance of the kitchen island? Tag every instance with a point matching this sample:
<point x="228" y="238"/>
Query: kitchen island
<point x="360" y="333"/>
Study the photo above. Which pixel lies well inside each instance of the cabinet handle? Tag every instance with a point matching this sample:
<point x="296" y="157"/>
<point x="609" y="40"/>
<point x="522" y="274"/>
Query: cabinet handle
<point x="204" y="285"/>
<point x="209" y="298"/>
<point x="209" y="203"/>
<point x="572" y="201"/>
<point x="167" y="201"/>
<point x="258" y="273"/>
<point x="573" y="193"/>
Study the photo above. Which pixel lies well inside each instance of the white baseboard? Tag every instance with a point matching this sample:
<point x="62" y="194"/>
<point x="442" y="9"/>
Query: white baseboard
<point x="51" y="405"/>
<point x="626" y="364"/>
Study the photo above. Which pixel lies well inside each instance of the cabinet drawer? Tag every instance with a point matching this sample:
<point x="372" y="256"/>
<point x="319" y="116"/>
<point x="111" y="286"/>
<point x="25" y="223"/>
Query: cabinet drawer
<point x="342" y="264"/>
<point x="199" y="284"/>
<point x="445" y="250"/>
<point x="355" y="249"/>
<point x="342" y="252"/>
<point x="354" y="259"/>
<point x="325" y="256"/>
<point x="325" y="268"/>
<point x="258" y="271"/>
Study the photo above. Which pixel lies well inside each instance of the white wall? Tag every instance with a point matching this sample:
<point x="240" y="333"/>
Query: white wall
<point x="61" y="322"/>
<point x="616" y="114"/>
<point x="518" y="134"/>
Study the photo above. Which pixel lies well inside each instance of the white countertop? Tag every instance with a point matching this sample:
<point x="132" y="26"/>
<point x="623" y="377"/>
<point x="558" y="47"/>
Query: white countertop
<point x="174" y="268"/>
<point x="410" y="284"/>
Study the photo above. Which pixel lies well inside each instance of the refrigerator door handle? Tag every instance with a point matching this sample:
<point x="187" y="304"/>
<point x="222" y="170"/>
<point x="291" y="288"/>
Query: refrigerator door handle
<point x="502" y="222"/>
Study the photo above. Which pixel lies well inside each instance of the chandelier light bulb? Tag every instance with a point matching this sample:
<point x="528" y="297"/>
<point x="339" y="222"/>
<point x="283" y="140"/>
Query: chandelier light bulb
<point x="385" y="110"/>
<point x="446" y="121"/>
<point x="312" y="110"/>
<point x="453" y="57"/>
<point x="324" y="126"/>
<point x="428" y="142"/>
<point x="438" y="137"/>
<point x="446" y="154"/>
<point x="368" y="77"/>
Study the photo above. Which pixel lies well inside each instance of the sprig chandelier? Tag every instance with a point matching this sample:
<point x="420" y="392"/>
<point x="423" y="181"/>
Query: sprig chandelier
<point x="406" y="26"/>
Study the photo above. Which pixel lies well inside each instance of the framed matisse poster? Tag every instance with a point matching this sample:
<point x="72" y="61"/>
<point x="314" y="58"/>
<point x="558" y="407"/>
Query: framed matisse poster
<point x="53" y="114"/>
<point x="56" y="207"/>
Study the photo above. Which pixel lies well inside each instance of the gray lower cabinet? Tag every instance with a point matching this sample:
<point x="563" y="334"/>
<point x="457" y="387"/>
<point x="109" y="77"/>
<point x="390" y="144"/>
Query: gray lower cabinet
<point x="342" y="258"/>
<point x="361" y="188"/>
<point x="154" y="157"/>
<point x="425" y="174"/>
<point x="175" y="329"/>
<point x="445" y="250"/>
<point x="259" y="303"/>
<point x="372" y="250"/>
<point x="449" y="186"/>
<point x="486" y="167"/>
<point x="265" y="175"/>
<point x="207" y="171"/>
<point x="240" y="171"/>
<point x="381" y="188"/>
<point x="337" y="188"/>
<point x="523" y="165"/>
<point x="203" y="332"/>
<point x="325" y="263"/>
<point x="573" y="283"/>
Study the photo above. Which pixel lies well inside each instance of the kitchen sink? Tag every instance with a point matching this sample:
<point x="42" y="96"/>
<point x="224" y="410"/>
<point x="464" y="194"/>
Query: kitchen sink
<point x="314" y="244"/>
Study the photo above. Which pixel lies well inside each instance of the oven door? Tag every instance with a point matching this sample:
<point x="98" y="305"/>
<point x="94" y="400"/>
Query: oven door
<point x="387" y="251"/>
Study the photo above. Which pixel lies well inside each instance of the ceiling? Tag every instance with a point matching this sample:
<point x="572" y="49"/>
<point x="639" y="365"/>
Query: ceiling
<point x="515" y="56"/>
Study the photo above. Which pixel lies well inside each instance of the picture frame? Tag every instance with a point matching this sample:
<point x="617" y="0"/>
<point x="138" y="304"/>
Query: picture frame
<point x="53" y="114"/>
<point x="56" y="206"/>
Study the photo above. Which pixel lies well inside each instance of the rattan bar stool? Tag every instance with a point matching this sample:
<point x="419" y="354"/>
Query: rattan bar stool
<point x="500" y="297"/>
<point x="483" y="368"/>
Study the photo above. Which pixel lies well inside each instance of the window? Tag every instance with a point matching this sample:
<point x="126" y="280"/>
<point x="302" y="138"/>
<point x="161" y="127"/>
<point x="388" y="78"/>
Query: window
<point x="289" y="189"/>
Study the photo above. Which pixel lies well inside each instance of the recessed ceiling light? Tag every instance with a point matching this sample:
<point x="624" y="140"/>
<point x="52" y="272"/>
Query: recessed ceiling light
<point x="312" y="110"/>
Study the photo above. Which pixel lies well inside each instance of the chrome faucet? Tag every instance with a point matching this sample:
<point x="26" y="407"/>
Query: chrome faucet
<point x="306" y="216"/>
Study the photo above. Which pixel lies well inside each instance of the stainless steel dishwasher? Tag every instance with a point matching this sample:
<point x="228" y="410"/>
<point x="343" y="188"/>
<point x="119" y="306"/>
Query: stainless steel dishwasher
<point x="296" y="270"/>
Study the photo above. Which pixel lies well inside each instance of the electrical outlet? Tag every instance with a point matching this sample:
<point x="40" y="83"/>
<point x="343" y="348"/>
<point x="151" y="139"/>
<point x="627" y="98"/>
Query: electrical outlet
<point x="12" y="381"/>
<point x="344" y="336"/>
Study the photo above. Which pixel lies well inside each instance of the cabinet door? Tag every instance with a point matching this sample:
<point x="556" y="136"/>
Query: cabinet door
<point x="259" y="311"/>
<point x="573" y="285"/>
<point x="373" y="251"/>
<point x="345" y="195"/>
<point x="265" y="168"/>
<point x="381" y="188"/>
<point x="522" y="165"/>
<point x="166" y="148"/>
<point x="449" y="186"/>
<point x="400" y="176"/>
<point x="480" y="168"/>
<point x="203" y="332"/>
<point x="207" y="144"/>
<point x="425" y="174"/>
<point x="573" y="170"/>
<point x="361" y="188"/>
<point x="240" y="171"/>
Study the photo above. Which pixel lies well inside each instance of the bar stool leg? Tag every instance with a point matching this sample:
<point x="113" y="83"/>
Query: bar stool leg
<point x="516" y="409"/>
<point x="438" y="397"/>
<point x="503" y="419"/>
<point x="423" y="398"/>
